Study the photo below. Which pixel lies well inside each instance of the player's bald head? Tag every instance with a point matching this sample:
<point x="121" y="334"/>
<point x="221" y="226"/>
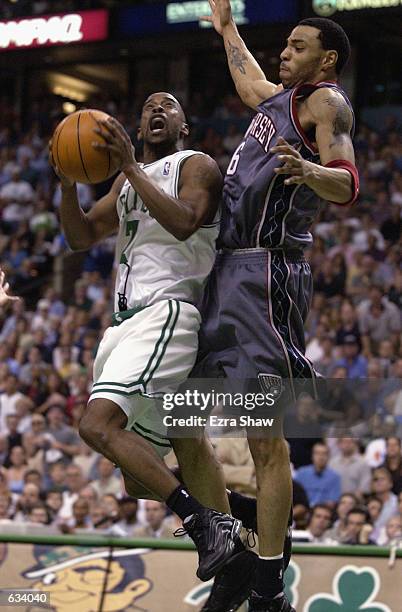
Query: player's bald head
<point x="161" y="96"/>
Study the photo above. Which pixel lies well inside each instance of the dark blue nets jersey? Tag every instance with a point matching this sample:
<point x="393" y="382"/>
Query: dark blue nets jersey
<point x="259" y="210"/>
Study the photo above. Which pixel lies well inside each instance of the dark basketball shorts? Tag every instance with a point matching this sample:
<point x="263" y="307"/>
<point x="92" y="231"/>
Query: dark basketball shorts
<point x="253" y="313"/>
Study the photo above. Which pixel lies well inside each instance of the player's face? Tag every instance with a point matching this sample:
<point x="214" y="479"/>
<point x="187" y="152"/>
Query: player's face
<point x="162" y="120"/>
<point x="302" y="58"/>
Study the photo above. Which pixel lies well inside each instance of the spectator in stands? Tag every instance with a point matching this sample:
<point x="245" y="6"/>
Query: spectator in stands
<point x="128" y="507"/>
<point x="355" y="364"/>
<point x="80" y="518"/>
<point x="349" y="325"/>
<point x="393" y="463"/>
<point x="391" y="532"/>
<point x="89" y="493"/>
<point x="24" y="408"/>
<point x="38" y="514"/>
<point x="35" y="366"/>
<point x="339" y="530"/>
<point x="17" y="469"/>
<point x="305" y="430"/>
<point x="382" y="488"/>
<point x="321" y="483"/>
<point x="379" y="319"/>
<point x="318" y="525"/>
<point x="65" y="439"/>
<point x="26" y="501"/>
<point x="17" y="197"/>
<point x="326" y="363"/>
<point x="54" y="502"/>
<point x="374" y="507"/>
<point x="350" y="465"/>
<point x="14" y="438"/>
<point x="74" y="482"/>
<point x="107" y="482"/>
<point x="5" y="509"/>
<point x="358" y="528"/>
<point x="156" y="526"/>
<point x="391" y="229"/>
<point x="8" y="400"/>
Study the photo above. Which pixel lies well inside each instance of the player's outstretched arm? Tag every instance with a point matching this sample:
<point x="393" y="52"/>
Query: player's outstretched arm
<point x="83" y="230"/>
<point x="336" y="180"/>
<point x="249" y="79"/>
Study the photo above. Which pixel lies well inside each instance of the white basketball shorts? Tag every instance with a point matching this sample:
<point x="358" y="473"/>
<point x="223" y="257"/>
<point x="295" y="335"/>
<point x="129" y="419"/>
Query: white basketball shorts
<point x="143" y="355"/>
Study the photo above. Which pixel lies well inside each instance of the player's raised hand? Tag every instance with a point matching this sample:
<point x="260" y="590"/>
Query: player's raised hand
<point x="4" y="287"/>
<point x="300" y="170"/>
<point x="65" y="181"/>
<point x="221" y="14"/>
<point x="117" y="142"/>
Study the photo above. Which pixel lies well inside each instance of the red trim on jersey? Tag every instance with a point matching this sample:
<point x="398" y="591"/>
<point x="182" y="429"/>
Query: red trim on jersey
<point x="298" y="127"/>
<point x="351" y="168"/>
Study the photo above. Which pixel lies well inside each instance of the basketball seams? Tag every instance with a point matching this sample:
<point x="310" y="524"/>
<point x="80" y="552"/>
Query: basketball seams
<point x="108" y="152"/>
<point x="73" y="151"/>
<point x="79" y="147"/>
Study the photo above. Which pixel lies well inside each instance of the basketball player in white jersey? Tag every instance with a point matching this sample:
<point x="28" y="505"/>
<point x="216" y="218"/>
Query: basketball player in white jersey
<point x="166" y="213"/>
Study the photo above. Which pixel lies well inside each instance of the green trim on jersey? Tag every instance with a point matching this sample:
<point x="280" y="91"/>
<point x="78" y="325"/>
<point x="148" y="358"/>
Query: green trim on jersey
<point x="150" y="368"/>
<point x="120" y="316"/>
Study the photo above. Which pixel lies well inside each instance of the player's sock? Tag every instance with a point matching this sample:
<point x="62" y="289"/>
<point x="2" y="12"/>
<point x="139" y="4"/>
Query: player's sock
<point x="269" y="579"/>
<point x="182" y="503"/>
<point x="243" y="508"/>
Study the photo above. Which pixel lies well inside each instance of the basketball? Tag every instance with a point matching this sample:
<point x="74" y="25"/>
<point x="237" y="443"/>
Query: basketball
<point x="73" y="152"/>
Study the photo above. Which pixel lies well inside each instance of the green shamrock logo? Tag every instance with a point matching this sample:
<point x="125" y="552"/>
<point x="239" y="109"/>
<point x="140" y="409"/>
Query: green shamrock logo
<point x="292" y="579"/>
<point x="354" y="590"/>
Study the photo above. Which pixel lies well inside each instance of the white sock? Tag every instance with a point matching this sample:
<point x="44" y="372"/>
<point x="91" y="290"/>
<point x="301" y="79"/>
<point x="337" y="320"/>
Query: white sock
<point x="271" y="558"/>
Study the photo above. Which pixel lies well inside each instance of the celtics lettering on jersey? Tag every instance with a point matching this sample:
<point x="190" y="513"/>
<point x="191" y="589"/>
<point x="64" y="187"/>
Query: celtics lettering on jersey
<point x="151" y="263"/>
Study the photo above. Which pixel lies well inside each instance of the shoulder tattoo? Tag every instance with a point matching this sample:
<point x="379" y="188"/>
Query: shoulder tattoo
<point x="342" y="122"/>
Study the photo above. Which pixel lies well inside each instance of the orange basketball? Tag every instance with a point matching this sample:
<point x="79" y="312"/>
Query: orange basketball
<point x="73" y="152"/>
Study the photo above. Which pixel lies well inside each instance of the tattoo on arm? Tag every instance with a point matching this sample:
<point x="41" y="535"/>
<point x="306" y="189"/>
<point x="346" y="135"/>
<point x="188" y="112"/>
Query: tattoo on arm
<point x="342" y="122"/>
<point x="237" y="58"/>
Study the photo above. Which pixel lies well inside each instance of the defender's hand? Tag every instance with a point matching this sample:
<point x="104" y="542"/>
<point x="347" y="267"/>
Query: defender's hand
<point x="64" y="180"/>
<point x="117" y="142"/>
<point x="294" y="164"/>
<point x="4" y="287"/>
<point x="221" y="14"/>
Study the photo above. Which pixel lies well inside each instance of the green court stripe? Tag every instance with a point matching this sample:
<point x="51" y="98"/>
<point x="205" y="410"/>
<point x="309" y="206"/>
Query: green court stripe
<point x="153" y="433"/>
<point x="141" y="378"/>
<point x="150" y="439"/>
<point x="165" y="344"/>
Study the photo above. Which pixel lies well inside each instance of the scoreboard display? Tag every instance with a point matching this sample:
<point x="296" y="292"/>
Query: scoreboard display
<point x="183" y="16"/>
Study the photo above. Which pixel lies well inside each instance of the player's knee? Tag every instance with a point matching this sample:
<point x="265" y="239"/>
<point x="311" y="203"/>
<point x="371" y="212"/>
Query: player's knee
<point x="269" y="452"/>
<point x="90" y="431"/>
<point x="99" y="424"/>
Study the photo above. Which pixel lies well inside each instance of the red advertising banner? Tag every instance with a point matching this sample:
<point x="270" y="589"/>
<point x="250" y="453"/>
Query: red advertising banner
<point x="50" y="30"/>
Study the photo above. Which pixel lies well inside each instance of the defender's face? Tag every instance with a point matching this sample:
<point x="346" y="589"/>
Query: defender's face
<point x="301" y="59"/>
<point x="162" y="120"/>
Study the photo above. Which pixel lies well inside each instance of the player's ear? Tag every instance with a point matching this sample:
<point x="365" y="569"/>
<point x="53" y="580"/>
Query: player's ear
<point x="330" y="59"/>
<point x="139" y="134"/>
<point x="185" y="130"/>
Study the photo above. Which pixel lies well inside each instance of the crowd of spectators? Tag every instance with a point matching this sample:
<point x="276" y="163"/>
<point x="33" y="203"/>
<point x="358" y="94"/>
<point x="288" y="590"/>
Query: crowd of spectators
<point x="346" y="491"/>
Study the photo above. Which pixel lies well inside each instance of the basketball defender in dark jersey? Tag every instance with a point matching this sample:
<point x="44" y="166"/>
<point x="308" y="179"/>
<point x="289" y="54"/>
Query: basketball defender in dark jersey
<point x="295" y="157"/>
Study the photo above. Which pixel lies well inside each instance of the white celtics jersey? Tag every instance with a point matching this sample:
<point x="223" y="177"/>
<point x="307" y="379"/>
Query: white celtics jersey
<point x="153" y="265"/>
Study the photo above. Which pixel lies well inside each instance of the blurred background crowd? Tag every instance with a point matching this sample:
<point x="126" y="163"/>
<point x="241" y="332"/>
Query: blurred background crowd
<point x="346" y="490"/>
